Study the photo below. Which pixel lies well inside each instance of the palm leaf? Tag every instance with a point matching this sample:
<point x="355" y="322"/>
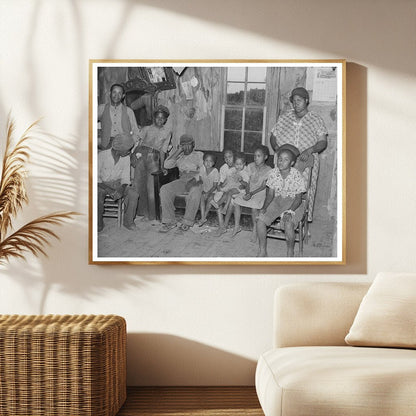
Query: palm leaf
<point x="32" y="237"/>
<point x="12" y="183"/>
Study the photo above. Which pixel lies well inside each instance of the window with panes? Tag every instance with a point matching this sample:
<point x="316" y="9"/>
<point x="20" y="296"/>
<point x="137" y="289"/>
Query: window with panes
<point x="244" y="109"/>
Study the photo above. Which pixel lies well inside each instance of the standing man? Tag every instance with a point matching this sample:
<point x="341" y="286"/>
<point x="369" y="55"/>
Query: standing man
<point x="116" y="118"/>
<point x="114" y="179"/>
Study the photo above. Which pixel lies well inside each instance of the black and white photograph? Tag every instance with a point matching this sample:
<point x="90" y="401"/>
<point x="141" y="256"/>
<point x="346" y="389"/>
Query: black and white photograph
<point x="217" y="162"/>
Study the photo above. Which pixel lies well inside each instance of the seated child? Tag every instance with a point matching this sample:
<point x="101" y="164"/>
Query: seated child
<point x="226" y="167"/>
<point x="254" y="197"/>
<point x="285" y="187"/>
<point x="208" y="178"/>
<point x="235" y="183"/>
<point x="224" y="172"/>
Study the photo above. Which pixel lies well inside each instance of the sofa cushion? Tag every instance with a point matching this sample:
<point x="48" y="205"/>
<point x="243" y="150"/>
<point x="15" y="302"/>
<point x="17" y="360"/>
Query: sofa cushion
<point x="315" y="314"/>
<point x="304" y="381"/>
<point x="387" y="314"/>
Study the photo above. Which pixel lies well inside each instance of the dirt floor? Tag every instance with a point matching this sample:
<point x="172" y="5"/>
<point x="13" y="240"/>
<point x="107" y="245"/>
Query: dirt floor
<point x="147" y="242"/>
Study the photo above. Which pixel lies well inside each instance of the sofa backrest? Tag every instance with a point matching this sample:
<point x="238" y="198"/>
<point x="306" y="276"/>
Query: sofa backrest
<point x="309" y="314"/>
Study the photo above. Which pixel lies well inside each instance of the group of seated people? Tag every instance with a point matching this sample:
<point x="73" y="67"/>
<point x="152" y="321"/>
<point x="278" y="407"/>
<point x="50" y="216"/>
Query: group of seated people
<point x="269" y="192"/>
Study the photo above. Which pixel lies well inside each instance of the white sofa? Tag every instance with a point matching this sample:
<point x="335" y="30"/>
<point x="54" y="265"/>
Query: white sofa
<point x="311" y="371"/>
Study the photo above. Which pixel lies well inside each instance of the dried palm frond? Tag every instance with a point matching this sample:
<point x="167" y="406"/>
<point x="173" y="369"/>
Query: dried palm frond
<point x="34" y="236"/>
<point x="12" y="184"/>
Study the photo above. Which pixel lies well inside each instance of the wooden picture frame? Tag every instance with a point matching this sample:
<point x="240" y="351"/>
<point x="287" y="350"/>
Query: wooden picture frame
<point x="221" y="104"/>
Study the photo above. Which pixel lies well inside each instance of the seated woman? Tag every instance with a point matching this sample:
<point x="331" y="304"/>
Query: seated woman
<point x="285" y="186"/>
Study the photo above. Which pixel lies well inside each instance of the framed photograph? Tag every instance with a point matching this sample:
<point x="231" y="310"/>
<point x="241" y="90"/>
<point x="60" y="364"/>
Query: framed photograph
<point x="217" y="162"/>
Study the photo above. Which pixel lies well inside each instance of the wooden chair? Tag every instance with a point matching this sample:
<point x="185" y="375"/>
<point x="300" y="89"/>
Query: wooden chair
<point x="114" y="209"/>
<point x="309" y="171"/>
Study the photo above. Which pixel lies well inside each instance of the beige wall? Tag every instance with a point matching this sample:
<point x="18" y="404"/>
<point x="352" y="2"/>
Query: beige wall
<point x="204" y="325"/>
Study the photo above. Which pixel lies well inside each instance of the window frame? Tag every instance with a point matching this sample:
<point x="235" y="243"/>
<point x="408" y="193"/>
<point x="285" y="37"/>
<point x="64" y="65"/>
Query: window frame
<point x="244" y="108"/>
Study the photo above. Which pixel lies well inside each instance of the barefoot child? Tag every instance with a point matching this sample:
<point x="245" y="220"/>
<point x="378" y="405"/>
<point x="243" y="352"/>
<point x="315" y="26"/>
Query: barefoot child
<point x="208" y="178"/>
<point x="285" y="187"/>
<point x="236" y="182"/>
<point x="256" y="191"/>
<point x="225" y="170"/>
<point x="228" y="164"/>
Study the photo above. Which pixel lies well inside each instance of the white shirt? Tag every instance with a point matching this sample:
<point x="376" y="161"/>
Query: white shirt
<point x="109" y="171"/>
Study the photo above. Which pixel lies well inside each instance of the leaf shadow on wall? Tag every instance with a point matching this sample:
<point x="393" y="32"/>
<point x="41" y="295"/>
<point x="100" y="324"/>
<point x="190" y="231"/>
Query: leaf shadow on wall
<point x="69" y="170"/>
<point x="53" y="186"/>
<point x="337" y="28"/>
<point x="58" y="181"/>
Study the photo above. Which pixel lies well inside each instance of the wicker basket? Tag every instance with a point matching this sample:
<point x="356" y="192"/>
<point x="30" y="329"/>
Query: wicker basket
<point x="71" y="365"/>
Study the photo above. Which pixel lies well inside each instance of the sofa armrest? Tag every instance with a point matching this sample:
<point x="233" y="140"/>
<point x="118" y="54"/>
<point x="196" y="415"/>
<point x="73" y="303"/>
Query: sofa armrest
<point x="308" y="314"/>
<point x="159" y="179"/>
